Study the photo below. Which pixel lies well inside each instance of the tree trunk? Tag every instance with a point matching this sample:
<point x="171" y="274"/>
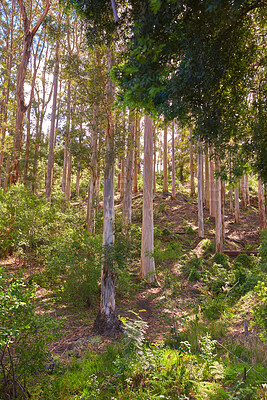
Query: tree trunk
<point x="243" y="193"/>
<point x="223" y="208"/>
<point x="262" y="215"/>
<point x="207" y="179"/>
<point x="231" y="199"/>
<point x="165" y="160"/>
<point x="218" y="212"/>
<point x="127" y="199"/>
<point x="50" y="166"/>
<point x="236" y="204"/>
<point x="147" y="248"/>
<point x="107" y="321"/>
<point x="68" y="178"/>
<point x="173" y="164"/>
<point x="67" y="140"/>
<point x="247" y="190"/>
<point x="122" y="179"/>
<point x="212" y="190"/>
<point x="200" y="191"/>
<point x="154" y="157"/>
<point x="90" y="216"/>
<point x="136" y="154"/>
<point x="192" y="172"/>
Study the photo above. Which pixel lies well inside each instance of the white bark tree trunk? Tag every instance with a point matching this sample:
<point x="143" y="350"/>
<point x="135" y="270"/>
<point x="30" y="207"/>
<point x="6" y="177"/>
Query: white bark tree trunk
<point x="218" y="212"/>
<point x="192" y="173"/>
<point x="173" y="164"/>
<point x="107" y="321"/>
<point x="165" y="161"/>
<point x="236" y="204"/>
<point x="212" y="190"/>
<point x="127" y="199"/>
<point x="147" y="249"/>
<point x="207" y="179"/>
<point x="262" y="214"/>
<point x="50" y="166"/>
<point x="200" y="191"/>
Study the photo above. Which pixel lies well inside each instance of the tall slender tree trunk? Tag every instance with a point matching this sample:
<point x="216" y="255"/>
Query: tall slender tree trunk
<point x="236" y="204"/>
<point x="231" y="199"/>
<point x="122" y="179"/>
<point x="243" y="193"/>
<point x="200" y="191"/>
<point x="207" y="179"/>
<point x="192" y="171"/>
<point x="165" y="160"/>
<point x="147" y="247"/>
<point x="154" y="156"/>
<point x="50" y="166"/>
<point x="212" y="190"/>
<point x="136" y="155"/>
<point x="68" y="178"/>
<point x="107" y="321"/>
<point x="218" y="211"/>
<point x="223" y="208"/>
<point x="173" y="164"/>
<point x="127" y="199"/>
<point x="90" y="216"/>
<point x="67" y="140"/>
<point x="262" y="214"/>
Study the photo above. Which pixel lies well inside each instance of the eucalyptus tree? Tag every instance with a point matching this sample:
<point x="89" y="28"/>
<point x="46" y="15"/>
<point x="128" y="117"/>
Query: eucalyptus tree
<point x="29" y="18"/>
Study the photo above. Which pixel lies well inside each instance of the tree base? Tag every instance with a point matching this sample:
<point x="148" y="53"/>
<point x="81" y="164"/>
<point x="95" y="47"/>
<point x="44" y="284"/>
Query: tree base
<point x="109" y="326"/>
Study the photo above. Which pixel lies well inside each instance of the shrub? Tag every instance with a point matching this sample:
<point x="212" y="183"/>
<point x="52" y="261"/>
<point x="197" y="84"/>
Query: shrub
<point x="222" y="259"/>
<point x="260" y="310"/>
<point x="23" y="333"/>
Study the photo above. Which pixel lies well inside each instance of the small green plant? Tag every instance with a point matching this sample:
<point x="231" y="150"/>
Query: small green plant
<point x="222" y="259"/>
<point x="260" y="310"/>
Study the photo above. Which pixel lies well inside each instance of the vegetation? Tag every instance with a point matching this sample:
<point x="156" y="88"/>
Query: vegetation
<point x="133" y="242"/>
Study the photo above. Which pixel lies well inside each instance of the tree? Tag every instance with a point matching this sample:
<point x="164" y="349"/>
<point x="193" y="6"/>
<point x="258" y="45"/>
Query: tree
<point x="147" y="249"/>
<point x="21" y="75"/>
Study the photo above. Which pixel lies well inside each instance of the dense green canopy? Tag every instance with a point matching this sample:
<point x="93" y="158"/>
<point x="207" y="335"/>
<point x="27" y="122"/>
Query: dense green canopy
<point x="198" y="61"/>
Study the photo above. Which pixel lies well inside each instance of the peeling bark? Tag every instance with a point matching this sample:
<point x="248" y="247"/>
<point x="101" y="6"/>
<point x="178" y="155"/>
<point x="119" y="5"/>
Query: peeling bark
<point x="147" y="248"/>
<point x="200" y="191"/>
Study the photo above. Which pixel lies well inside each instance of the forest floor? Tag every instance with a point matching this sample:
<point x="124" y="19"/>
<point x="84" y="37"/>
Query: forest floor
<point x="163" y="308"/>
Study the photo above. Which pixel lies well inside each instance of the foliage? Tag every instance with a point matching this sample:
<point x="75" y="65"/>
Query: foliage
<point x="260" y="310"/>
<point x="24" y="334"/>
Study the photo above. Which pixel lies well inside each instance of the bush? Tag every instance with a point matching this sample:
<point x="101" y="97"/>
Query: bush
<point x="23" y="333"/>
<point x="222" y="259"/>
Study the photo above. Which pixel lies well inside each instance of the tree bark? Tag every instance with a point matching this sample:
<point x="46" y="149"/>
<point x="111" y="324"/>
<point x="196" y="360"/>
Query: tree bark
<point x="262" y="214"/>
<point x="212" y="190"/>
<point x="90" y="216"/>
<point x="147" y="248"/>
<point x="165" y="160"/>
<point x="136" y="154"/>
<point x="236" y="204"/>
<point x="207" y="179"/>
<point x="127" y="199"/>
<point x="218" y="212"/>
<point x="173" y="164"/>
<point x="200" y="191"/>
<point x="67" y="140"/>
<point x="107" y="321"/>
<point x="50" y="166"/>
<point x="192" y="172"/>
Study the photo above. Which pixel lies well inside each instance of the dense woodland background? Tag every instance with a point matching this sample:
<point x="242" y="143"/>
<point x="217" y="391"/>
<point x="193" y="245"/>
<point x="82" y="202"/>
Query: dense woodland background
<point x="133" y="154"/>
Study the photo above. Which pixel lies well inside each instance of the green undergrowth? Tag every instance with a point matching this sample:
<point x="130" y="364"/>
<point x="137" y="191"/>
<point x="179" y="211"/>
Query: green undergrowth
<point x="135" y="369"/>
